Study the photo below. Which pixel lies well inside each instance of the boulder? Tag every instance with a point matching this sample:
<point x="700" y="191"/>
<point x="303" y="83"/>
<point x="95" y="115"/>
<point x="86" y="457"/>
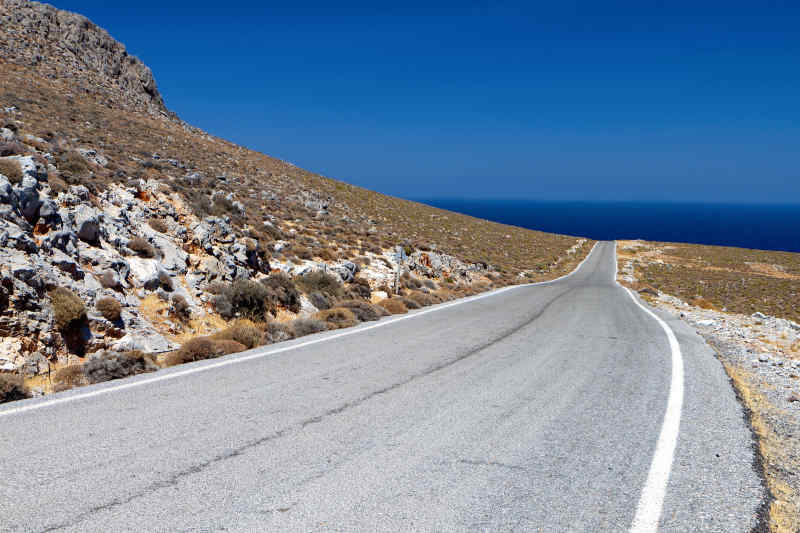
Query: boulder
<point x="87" y="223"/>
<point x="145" y="339"/>
<point x="7" y="194"/>
<point x="92" y="156"/>
<point x="49" y="213"/>
<point x="28" y="199"/>
<point x="145" y="272"/>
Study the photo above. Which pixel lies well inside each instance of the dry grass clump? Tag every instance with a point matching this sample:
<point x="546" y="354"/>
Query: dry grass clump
<point x="12" y="388"/>
<point x="68" y="308"/>
<point x="11" y="169"/>
<point x="105" y="366"/>
<point x="244" y="332"/>
<point x="109" y="307"/>
<point x="394" y="306"/>
<point x="365" y="312"/>
<point x="142" y="248"/>
<point x="307" y="326"/>
<point x="337" y="318"/>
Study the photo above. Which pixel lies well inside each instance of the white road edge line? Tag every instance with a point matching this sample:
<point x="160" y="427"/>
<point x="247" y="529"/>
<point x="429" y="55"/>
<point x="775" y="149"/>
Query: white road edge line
<point x="651" y="502"/>
<point x="237" y="358"/>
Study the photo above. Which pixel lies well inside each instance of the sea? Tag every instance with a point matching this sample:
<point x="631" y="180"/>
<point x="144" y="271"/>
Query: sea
<point x="762" y="227"/>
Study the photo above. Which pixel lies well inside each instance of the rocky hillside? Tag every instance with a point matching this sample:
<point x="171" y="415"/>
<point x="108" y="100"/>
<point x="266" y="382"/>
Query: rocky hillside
<point x="126" y="233"/>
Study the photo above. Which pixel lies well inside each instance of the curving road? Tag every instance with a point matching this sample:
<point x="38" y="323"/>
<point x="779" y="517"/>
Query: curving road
<point x="536" y="408"/>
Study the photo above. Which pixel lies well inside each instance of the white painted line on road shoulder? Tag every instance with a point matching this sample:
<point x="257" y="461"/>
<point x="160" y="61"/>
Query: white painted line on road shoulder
<point x="651" y="502"/>
<point x="237" y="358"/>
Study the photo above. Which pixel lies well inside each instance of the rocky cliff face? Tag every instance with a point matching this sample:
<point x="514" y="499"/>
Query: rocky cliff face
<point x="64" y="45"/>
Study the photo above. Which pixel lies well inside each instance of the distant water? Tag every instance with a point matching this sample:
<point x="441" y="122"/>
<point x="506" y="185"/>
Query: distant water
<point x="765" y="227"/>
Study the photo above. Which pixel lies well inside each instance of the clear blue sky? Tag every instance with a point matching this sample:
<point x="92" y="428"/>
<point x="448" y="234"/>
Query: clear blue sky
<point x="696" y="101"/>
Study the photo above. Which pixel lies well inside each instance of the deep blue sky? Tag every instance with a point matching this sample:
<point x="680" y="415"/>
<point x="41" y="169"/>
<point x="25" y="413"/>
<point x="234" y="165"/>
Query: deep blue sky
<point x="592" y="100"/>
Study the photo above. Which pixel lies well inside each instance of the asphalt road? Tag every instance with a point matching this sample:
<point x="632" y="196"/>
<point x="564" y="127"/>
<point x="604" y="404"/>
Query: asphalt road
<point x="536" y="408"/>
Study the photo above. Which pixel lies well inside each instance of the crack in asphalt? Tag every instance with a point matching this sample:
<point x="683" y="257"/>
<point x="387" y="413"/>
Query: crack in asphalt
<point x="178" y="476"/>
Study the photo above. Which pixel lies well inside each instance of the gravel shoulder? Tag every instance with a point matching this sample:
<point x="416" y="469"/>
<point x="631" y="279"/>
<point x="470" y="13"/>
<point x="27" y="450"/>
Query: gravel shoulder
<point x="761" y="355"/>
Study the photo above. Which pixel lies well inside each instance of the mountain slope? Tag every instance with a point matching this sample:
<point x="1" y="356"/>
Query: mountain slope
<point x="108" y="195"/>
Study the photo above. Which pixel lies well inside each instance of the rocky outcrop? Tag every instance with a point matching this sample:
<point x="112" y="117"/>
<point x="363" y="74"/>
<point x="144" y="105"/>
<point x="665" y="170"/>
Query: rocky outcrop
<point x="60" y="44"/>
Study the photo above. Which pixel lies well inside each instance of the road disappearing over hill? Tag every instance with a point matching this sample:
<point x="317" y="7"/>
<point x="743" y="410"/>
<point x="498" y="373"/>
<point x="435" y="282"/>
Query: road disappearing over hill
<point x="535" y="408"/>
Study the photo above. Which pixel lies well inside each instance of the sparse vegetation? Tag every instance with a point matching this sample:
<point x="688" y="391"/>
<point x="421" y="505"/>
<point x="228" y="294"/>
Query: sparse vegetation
<point x="72" y="164"/>
<point x="109" y="307"/>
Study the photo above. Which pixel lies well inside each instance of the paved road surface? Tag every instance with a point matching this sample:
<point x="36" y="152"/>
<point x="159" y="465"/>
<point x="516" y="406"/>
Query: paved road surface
<point x="533" y="409"/>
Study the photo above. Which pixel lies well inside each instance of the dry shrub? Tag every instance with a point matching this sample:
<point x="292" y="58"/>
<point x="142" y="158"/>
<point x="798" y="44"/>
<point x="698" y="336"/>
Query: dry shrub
<point x="283" y="291"/>
<point x="105" y="366"/>
<point x="337" y="318"/>
<point x="326" y="254"/>
<point x="68" y="377"/>
<point x="365" y="312"/>
<point x="394" y="305"/>
<point x="166" y="281"/>
<point x="410" y="282"/>
<point x="72" y="163"/>
<point x="227" y="347"/>
<point x="12" y="388"/>
<point x="11" y="169"/>
<point x="423" y="299"/>
<point x="307" y="326"/>
<point x="11" y="148"/>
<point x="195" y="349"/>
<point x="109" y="307"/>
<point x="244" y="298"/>
<point x="242" y="331"/>
<point x="319" y="281"/>
<point x="430" y="284"/>
<point x="141" y="247"/>
<point x="277" y="332"/>
<point x="180" y="307"/>
<point x="360" y="287"/>
<point x="409" y="303"/>
<point x="158" y="224"/>
<point x="68" y="308"/>
<point x="319" y="300"/>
